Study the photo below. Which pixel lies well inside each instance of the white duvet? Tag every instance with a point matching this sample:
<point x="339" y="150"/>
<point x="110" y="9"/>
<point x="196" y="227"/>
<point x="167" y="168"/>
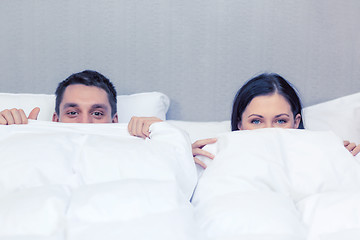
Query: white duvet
<point x="95" y="181"/>
<point x="279" y="184"/>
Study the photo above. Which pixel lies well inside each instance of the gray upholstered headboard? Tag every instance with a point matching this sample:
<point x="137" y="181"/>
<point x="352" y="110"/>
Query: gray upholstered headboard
<point x="198" y="52"/>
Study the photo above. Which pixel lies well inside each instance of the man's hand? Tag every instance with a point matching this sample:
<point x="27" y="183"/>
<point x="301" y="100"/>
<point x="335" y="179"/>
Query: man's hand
<point x="139" y="126"/>
<point x="17" y="116"/>
<point x="353" y="149"/>
<point x="197" y="150"/>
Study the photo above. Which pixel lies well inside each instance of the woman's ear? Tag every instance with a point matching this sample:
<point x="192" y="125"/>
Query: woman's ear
<point x="297" y="121"/>
<point x="55" y="117"/>
<point x="239" y="125"/>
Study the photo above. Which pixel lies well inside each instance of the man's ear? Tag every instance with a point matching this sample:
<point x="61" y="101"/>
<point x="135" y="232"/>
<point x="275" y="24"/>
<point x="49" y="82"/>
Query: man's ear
<point x="55" y="118"/>
<point x="115" y="118"/>
<point x="297" y="121"/>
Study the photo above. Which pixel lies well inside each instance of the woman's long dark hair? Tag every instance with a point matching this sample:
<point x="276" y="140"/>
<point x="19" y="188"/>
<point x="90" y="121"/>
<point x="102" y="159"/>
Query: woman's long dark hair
<point x="264" y="84"/>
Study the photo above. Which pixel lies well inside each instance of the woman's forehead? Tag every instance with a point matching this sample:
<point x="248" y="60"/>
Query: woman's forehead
<point x="274" y="102"/>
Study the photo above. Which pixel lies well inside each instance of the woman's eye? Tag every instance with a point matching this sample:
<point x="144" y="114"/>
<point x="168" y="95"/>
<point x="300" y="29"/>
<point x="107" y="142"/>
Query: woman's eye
<point x="281" y="121"/>
<point x="255" y="121"/>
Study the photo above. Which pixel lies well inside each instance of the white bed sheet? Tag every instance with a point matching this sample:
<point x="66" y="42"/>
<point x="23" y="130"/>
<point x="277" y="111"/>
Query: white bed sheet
<point x="297" y="184"/>
<point x="95" y="181"/>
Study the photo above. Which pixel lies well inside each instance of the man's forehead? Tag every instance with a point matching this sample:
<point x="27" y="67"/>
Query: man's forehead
<point x="79" y="94"/>
<point x="95" y="105"/>
<point x="81" y="88"/>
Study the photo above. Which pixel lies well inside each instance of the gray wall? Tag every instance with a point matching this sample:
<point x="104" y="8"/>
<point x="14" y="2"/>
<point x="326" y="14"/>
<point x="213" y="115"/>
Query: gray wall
<point x="198" y="52"/>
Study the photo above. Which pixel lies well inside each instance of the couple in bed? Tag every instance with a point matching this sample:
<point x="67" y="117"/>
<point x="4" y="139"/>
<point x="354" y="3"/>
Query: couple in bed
<point x="265" y="101"/>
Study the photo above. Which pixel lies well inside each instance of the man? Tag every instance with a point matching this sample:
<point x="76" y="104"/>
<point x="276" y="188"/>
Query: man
<point x="84" y="97"/>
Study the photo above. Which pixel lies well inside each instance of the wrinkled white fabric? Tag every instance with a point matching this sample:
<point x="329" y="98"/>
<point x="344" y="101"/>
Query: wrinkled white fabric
<point x="95" y="181"/>
<point x="296" y="183"/>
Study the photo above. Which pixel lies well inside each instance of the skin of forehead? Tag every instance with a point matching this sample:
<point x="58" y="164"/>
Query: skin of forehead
<point x="84" y="95"/>
<point x="265" y="105"/>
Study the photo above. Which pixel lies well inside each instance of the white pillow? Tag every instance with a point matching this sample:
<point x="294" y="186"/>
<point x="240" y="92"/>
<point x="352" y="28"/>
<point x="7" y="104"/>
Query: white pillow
<point x="202" y="130"/>
<point x="27" y="102"/>
<point x="149" y="104"/>
<point x="341" y="115"/>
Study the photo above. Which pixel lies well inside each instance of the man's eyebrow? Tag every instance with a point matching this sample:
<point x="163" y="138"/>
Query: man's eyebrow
<point x="70" y="105"/>
<point x="99" y="105"/>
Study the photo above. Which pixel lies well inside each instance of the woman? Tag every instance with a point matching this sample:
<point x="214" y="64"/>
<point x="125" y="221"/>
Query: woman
<point x="265" y="101"/>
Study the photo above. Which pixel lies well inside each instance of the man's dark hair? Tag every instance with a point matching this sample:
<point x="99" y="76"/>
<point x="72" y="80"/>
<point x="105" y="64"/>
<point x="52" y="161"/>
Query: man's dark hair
<point x="87" y="78"/>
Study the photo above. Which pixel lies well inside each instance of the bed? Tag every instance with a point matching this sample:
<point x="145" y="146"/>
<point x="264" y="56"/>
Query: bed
<point x="84" y="181"/>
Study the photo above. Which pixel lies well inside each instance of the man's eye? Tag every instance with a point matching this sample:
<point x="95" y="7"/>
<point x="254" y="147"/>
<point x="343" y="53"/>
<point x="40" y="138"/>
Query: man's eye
<point x="255" y="121"/>
<point x="98" y="114"/>
<point x="72" y="113"/>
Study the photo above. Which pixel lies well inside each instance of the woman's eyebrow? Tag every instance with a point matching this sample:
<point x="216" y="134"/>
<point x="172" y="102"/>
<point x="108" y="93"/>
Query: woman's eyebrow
<point x="281" y="114"/>
<point x="255" y="115"/>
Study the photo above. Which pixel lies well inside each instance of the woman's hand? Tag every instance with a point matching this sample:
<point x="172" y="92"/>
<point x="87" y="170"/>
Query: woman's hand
<point x="353" y="149"/>
<point x="197" y="150"/>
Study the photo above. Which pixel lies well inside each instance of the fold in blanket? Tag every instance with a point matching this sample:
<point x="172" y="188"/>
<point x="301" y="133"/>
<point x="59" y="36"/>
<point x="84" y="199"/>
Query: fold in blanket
<point x="297" y="184"/>
<point x="95" y="181"/>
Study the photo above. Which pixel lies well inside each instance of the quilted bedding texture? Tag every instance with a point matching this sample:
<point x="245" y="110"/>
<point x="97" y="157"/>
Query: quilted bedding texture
<point x="82" y="181"/>
<point x="69" y="181"/>
<point x="279" y="184"/>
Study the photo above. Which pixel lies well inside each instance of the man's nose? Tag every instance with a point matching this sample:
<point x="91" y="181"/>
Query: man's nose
<point x="85" y="119"/>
